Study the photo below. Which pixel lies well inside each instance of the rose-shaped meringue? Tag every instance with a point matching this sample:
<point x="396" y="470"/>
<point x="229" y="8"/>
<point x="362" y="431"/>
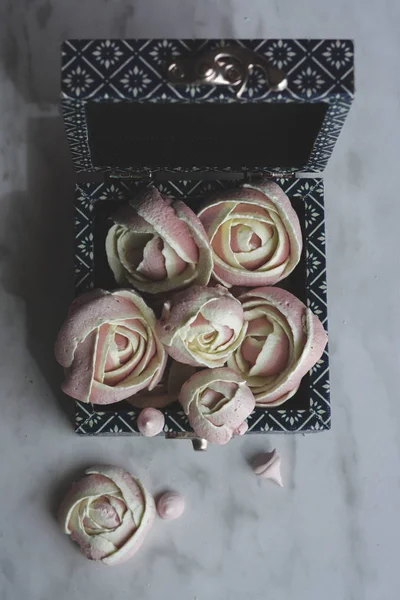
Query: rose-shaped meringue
<point x="170" y="505"/>
<point x="216" y="402"/>
<point x="202" y="326"/>
<point x="109" y="348"/>
<point x="268" y="466"/>
<point x="157" y="245"/>
<point x="108" y="513"/>
<point x="150" y="422"/>
<point x="283" y="341"/>
<point x="254" y="233"/>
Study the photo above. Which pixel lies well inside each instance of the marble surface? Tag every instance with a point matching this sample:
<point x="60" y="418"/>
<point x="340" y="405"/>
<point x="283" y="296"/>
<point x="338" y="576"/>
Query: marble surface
<point x="333" y="531"/>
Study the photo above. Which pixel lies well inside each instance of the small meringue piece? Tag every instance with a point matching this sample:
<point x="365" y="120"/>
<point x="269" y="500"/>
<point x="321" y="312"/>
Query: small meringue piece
<point x="150" y="422"/>
<point x="268" y="466"/>
<point x="170" y="505"/>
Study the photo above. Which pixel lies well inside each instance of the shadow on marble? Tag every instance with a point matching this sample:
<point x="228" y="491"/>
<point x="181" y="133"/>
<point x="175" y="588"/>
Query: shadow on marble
<point x="263" y="448"/>
<point x="38" y="245"/>
<point x="30" y="49"/>
<point x="35" y="30"/>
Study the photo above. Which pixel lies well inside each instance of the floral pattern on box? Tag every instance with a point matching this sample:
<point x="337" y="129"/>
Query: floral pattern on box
<point x="134" y="70"/>
<point x="121" y="419"/>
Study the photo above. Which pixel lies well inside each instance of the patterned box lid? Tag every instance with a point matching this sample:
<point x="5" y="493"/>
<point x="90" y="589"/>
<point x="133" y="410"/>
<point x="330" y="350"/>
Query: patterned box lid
<point x="121" y="112"/>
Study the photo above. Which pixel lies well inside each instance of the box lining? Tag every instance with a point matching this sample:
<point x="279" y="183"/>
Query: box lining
<point x="139" y="135"/>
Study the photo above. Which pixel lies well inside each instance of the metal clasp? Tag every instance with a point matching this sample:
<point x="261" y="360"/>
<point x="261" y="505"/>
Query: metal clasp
<point x="199" y="444"/>
<point x="230" y="65"/>
<point x="142" y="175"/>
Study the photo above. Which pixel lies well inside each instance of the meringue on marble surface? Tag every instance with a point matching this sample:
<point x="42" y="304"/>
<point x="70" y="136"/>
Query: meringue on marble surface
<point x="170" y="505"/>
<point x="108" y="514"/>
<point x="268" y="466"/>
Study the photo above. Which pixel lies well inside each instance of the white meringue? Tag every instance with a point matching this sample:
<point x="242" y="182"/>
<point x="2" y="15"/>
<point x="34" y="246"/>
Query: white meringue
<point x="268" y="466"/>
<point x="150" y="422"/>
<point x="170" y="505"/>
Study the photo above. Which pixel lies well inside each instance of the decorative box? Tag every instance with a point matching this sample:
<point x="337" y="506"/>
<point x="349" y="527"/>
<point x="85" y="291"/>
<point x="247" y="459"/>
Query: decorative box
<point x="196" y="116"/>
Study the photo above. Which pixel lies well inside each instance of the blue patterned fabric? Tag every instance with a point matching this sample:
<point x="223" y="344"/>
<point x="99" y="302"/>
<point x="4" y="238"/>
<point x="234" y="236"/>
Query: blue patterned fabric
<point x="134" y="70"/>
<point x="120" y="418"/>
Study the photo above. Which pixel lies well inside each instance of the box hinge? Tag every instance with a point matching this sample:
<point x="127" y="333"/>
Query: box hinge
<point x="254" y="175"/>
<point x="149" y="175"/>
<point x="145" y="175"/>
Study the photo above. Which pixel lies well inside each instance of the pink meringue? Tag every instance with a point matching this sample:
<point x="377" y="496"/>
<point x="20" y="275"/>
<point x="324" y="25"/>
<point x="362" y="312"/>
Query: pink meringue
<point x="283" y="341"/>
<point x="268" y="466"/>
<point x="216" y="401"/>
<point x="150" y="422"/>
<point x="157" y="245"/>
<point x="202" y="326"/>
<point x="255" y="234"/>
<point x="108" y="513"/>
<point x="109" y="348"/>
<point x="170" y="505"/>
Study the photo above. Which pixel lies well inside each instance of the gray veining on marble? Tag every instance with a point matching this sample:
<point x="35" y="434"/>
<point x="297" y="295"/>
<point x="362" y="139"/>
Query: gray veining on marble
<point x="333" y="531"/>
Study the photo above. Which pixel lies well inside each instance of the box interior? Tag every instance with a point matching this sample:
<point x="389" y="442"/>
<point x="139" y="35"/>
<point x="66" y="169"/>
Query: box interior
<point x="233" y="135"/>
<point x="103" y="277"/>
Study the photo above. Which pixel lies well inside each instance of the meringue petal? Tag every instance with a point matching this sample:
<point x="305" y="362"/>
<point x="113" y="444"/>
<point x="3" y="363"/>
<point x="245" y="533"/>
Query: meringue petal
<point x="79" y="376"/>
<point x="86" y="488"/>
<point x="174" y="264"/>
<point x="153" y="264"/>
<point x="162" y="217"/>
<point x="112" y="251"/>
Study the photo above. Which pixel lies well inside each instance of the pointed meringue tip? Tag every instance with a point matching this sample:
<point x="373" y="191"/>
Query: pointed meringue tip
<point x="268" y="466"/>
<point x="150" y="422"/>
